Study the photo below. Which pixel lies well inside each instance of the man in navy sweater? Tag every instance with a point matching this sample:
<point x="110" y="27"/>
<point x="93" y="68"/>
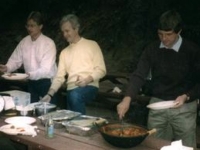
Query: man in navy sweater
<point x="175" y="68"/>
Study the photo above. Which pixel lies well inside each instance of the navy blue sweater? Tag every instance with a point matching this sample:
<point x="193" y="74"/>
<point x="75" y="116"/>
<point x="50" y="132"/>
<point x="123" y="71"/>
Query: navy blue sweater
<point x="173" y="73"/>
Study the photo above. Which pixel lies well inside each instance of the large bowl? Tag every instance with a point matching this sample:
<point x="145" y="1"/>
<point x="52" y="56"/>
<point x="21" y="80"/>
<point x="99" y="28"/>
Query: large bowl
<point x="44" y="108"/>
<point x="118" y="134"/>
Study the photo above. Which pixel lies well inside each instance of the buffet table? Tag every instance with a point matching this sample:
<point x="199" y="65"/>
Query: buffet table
<point x="66" y="141"/>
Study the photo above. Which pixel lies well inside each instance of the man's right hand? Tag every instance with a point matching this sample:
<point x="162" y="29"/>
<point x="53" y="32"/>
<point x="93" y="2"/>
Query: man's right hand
<point x="46" y="98"/>
<point x="3" y="68"/>
<point x="123" y="107"/>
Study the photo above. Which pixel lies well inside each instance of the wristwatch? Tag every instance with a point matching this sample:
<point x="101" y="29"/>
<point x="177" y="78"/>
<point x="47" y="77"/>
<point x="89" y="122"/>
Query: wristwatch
<point x="50" y="95"/>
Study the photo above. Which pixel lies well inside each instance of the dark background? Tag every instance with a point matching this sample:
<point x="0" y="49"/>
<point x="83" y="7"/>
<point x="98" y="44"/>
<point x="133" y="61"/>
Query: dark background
<point x="121" y="27"/>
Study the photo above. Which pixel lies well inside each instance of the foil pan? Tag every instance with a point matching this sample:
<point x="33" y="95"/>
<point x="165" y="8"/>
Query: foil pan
<point x="59" y="116"/>
<point x="83" y="125"/>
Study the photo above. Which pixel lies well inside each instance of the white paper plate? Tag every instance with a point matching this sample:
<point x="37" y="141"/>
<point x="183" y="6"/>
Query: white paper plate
<point x="161" y="105"/>
<point x="2" y="103"/>
<point x="175" y="148"/>
<point x="15" y="76"/>
<point x="15" y="129"/>
<point x="20" y="120"/>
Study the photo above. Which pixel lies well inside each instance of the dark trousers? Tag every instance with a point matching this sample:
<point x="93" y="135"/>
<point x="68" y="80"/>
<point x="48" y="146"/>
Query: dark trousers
<point x="39" y="88"/>
<point x="175" y="123"/>
<point x="7" y="144"/>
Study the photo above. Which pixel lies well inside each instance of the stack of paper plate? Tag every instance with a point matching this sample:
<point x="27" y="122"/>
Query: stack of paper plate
<point x="161" y="105"/>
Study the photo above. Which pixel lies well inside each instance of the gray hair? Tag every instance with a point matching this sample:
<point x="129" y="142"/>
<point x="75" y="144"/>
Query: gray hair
<point x="73" y="19"/>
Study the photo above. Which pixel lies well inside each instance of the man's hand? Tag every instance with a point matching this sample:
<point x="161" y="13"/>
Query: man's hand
<point x="180" y="100"/>
<point x="46" y="98"/>
<point x="83" y="81"/>
<point x="123" y="107"/>
<point x="28" y="75"/>
<point x="3" y="68"/>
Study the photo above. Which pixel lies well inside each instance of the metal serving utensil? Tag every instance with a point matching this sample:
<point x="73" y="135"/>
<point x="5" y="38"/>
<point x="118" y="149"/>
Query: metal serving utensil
<point x="122" y="126"/>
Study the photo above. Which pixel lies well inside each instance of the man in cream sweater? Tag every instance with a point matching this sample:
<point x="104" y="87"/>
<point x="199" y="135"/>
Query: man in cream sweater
<point x="82" y="61"/>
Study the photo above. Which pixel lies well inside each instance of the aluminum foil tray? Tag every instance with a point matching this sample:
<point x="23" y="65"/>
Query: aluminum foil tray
<point x="60" y="115"/>
<point x="83" y="125"/>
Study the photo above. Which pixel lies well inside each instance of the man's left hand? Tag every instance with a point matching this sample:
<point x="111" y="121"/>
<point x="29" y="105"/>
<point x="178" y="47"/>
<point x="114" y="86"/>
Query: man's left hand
<point x="83" y="81"/>
<point x="180" y="100"/>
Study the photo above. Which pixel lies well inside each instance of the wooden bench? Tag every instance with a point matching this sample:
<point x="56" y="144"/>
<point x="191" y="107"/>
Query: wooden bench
<point x="110" y="81"/>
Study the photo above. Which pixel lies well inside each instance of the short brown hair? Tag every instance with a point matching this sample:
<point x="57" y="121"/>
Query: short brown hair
<point x="36" y="16"/>
<point x="170" y="20"/>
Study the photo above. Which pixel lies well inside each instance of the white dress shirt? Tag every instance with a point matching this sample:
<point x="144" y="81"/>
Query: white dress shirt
<point x="176" y="45"/>
<point x="38" y="57"/>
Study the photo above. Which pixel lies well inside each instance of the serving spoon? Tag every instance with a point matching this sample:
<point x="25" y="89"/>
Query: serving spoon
<point x="122" y="126"/>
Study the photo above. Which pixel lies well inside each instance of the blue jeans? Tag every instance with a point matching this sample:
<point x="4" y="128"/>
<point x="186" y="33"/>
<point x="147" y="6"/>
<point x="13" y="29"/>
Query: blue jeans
<point x="78" y="97"/>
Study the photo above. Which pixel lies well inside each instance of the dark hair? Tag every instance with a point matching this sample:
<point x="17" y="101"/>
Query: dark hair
<point x="36" y="16"/>
<point x="170" y="20"/>
<point x="73" y="19"/>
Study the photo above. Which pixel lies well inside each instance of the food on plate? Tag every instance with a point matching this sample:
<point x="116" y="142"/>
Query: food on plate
<point x="18" y="129"/>
<point x="12" y="127"/>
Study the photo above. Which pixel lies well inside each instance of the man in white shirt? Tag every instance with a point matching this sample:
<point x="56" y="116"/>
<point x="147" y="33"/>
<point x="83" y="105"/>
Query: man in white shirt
<point x="37" y="53"/>
<point x="83" y="62"/>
